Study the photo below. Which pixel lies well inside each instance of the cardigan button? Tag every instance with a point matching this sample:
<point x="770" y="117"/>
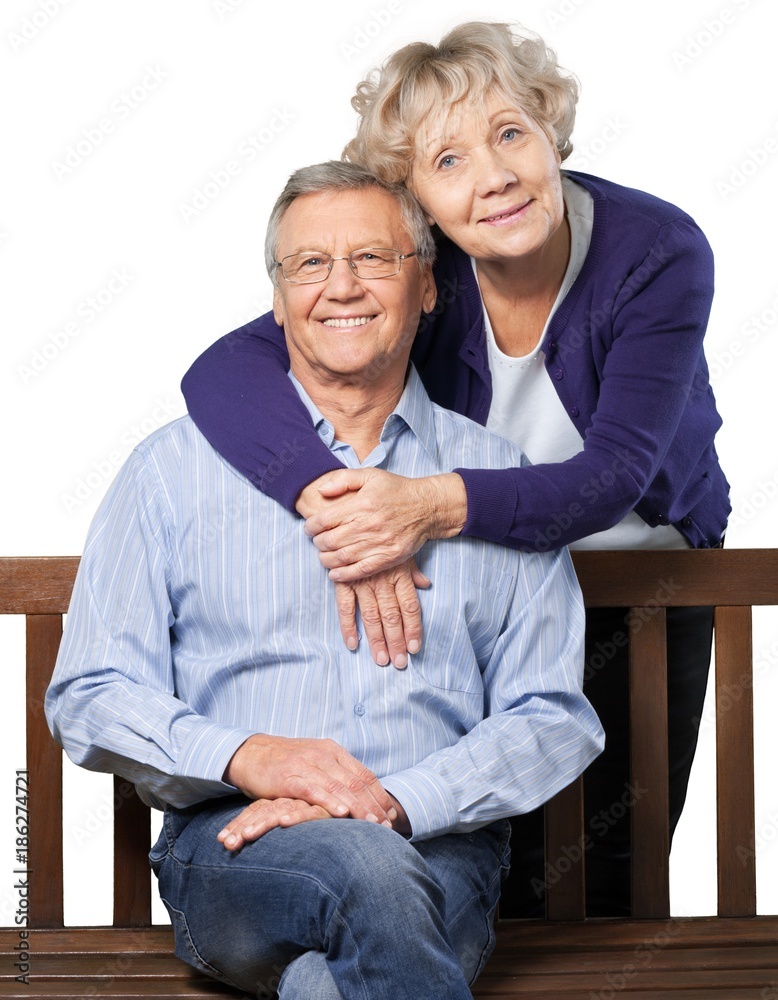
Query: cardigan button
<point x="559" y="374"/>
<point x="574" y="411"/>
<point x="687" y="522"/>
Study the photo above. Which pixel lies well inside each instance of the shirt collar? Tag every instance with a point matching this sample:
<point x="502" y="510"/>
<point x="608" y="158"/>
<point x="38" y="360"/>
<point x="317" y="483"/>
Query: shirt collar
<point x="414" y="411"/>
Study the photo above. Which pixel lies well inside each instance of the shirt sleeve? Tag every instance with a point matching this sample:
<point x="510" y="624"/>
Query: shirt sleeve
<point x="657" y="318"/>
<point x="539" y="730"/>
<point x="240" y="397"/>
<point x="112" y="703"/>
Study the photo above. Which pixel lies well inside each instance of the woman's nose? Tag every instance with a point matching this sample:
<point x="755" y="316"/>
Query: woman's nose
<point x="493" y="173"/>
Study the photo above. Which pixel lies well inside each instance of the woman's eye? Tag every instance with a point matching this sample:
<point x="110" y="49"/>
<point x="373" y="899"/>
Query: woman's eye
<point x="510" y="134"/>
<point x="446" y="162"/>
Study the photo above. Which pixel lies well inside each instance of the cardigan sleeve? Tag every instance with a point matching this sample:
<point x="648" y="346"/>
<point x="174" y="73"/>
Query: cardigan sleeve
<point x="657" y="318"/>
<point x="242" y="402"/>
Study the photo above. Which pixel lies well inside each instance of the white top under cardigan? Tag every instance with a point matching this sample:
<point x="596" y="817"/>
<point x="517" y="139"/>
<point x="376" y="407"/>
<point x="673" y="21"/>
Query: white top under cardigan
<point x="527" y="410"/>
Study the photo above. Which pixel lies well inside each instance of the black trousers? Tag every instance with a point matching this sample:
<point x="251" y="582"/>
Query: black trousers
<point x="607" y="789"/>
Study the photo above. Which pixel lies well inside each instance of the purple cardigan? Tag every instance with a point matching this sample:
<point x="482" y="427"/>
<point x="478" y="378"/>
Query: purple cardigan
<point x="625" y="353"/>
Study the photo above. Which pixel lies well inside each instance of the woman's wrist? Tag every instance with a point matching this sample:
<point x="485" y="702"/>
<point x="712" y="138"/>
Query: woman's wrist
<point x="448" y="505"/>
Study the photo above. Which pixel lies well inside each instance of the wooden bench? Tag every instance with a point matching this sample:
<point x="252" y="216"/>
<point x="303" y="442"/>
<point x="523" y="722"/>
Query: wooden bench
<point x="733" y="956"/>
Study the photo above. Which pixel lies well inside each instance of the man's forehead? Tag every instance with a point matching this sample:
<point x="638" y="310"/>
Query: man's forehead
<point x="362" y="217"/>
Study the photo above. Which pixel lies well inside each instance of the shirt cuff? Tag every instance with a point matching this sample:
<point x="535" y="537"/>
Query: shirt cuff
<point x="426" y="800"/>
<point x="208" y="750"/>
<point x="492" y="502"/>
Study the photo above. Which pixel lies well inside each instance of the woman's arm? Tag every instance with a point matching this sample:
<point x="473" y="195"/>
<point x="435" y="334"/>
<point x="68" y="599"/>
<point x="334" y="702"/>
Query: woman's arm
<point x="242" y="401"/>
<point x="653" y="382"/>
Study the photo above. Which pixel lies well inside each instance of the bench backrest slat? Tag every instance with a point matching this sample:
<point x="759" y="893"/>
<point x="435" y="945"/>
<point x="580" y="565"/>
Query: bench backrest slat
<point x="44" y="769"/>
<point x="729" y="579"/>
<point x="649" y="792"/>
<point x="735" y="763"/>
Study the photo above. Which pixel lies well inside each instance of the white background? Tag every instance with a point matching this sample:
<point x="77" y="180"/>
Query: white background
<point x="677" y="99"/>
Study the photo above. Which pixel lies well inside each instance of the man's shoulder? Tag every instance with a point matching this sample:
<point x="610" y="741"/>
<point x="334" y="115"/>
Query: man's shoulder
<point x="466" y="444"/>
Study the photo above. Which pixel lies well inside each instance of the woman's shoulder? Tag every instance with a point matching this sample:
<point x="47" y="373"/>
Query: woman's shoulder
<point x="622" y="202"/>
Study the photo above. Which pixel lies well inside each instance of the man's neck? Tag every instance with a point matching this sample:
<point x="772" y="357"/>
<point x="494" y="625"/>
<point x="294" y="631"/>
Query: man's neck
<point x="357" y="409"/>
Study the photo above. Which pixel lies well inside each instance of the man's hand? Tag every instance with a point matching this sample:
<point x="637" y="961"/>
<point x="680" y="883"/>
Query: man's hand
<point x="391" y="613"/>
<point x="264" y="814"/>
<point x="375" y="520"/>
<point x="316" y="772"/>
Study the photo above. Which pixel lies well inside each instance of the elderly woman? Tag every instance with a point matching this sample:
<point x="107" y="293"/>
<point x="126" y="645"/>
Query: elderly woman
<point x="570" y="318"/>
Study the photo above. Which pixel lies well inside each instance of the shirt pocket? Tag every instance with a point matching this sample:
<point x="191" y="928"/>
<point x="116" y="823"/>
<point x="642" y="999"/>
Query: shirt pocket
<point x="464" y="613"/>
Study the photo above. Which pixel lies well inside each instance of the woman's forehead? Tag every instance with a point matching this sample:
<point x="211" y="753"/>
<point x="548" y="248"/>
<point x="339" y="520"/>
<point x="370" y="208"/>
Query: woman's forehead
<point x="442" y="126"/>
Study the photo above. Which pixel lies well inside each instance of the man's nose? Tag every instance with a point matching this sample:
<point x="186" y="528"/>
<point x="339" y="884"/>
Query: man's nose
<point x="343" y="281"/>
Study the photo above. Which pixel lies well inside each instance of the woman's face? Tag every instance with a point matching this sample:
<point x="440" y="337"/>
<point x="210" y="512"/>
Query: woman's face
<point x="490" y="181"/>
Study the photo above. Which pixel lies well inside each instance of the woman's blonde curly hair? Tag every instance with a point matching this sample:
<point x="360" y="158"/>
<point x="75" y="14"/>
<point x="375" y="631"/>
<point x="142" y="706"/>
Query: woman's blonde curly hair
<point x="472" y="60"/>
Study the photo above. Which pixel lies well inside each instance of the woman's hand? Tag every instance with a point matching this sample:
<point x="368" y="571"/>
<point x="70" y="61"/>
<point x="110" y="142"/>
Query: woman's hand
<point x="365" y="521"/>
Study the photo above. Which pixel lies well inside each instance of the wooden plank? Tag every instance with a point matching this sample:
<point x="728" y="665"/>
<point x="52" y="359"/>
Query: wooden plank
<point x="36" y="585"/>
<point x="187" y="988"/>
<point x="44" y="766"/>
<point x="564" y="836"/>
<point x="523" y="936"/>
<point x="649" y="768"/>
<point x="92" y="940"/>
<point x="131" y="870"/>
<point x="735" y="763"/>
<point x="684" y="578"/>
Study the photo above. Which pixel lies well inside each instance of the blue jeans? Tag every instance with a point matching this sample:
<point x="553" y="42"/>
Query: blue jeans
<point x="332" y="909"/>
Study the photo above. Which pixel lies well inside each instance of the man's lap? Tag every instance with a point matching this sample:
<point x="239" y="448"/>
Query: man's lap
<point x="285" y="893"/>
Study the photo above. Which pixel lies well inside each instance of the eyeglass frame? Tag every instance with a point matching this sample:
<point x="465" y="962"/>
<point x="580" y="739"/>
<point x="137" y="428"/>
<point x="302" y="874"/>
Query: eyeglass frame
<point x="362" y="277"/>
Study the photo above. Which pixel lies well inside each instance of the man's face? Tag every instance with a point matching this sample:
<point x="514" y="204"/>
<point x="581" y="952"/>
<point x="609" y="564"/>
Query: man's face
<point x="346" y="327"/>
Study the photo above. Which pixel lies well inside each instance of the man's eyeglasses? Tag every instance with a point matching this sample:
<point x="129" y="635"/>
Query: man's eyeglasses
<point x="372" y="262"/>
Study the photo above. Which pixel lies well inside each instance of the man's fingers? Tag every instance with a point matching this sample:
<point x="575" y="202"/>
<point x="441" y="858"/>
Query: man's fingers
<point x="265" y="814"/>
<point x="391" y="618"/>
<point x="371" y="623"/>
<point x="346" y="600"/>
<point x="410" y="608"/>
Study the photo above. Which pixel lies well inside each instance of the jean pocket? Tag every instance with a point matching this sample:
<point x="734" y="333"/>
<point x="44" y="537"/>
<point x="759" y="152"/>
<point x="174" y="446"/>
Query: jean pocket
<point x="186" y="949"/>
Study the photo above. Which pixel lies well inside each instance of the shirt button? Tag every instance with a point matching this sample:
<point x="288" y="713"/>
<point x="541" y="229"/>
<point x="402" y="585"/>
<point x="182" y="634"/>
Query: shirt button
<point x="574" y="411"/>
<point x="359" y="709"/>
<point x="559" y="374"/>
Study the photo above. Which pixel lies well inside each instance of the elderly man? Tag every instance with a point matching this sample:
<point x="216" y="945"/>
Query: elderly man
<point x="202" y="659"/>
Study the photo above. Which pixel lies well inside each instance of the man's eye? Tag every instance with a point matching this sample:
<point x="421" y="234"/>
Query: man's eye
<point x="311" y="262"/>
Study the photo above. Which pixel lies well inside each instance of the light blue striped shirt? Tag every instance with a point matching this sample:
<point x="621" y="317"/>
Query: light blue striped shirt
<point x="201" y="615"/>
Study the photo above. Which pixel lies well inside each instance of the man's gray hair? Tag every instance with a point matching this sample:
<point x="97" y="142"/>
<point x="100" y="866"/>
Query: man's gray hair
<point x="336" y="175"/>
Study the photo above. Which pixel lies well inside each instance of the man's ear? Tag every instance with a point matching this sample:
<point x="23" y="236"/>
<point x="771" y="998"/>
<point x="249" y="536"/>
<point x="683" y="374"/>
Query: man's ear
<point x="429" y="291"/>
<point x="278" y="306"/>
